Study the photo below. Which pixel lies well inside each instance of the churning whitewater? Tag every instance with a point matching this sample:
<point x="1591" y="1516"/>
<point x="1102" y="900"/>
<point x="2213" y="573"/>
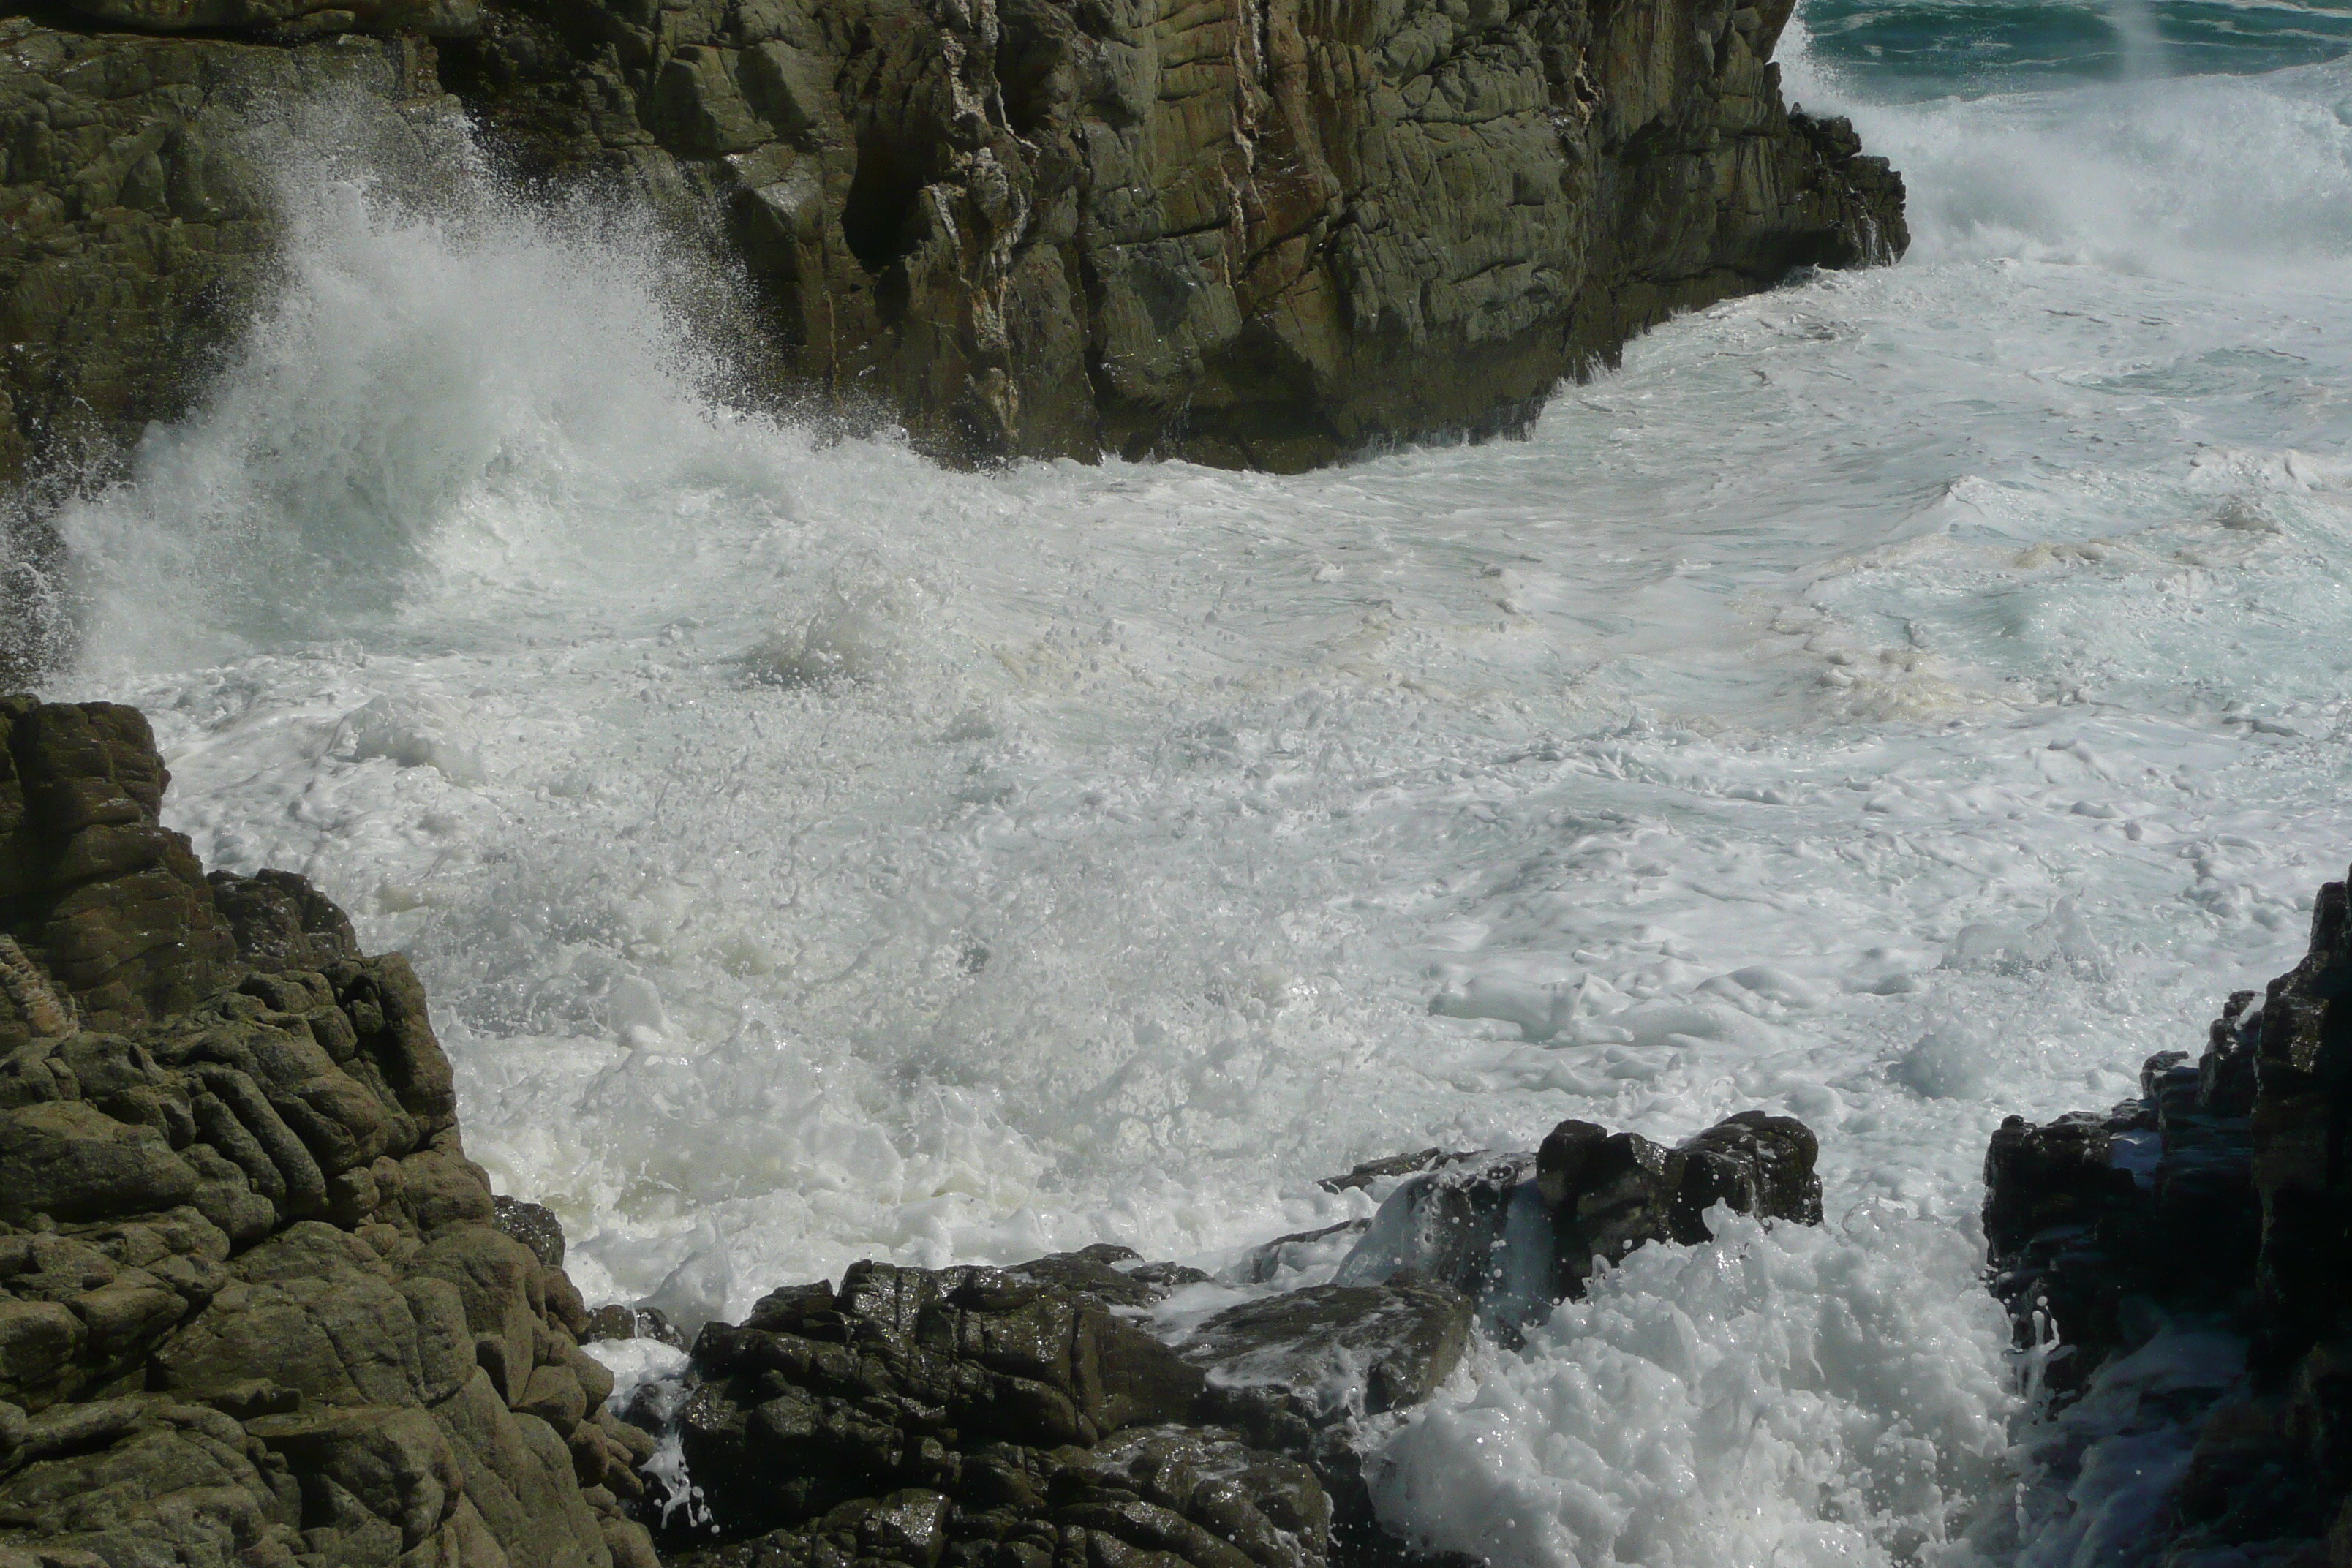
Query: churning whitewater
<point x="1900" y="700"/>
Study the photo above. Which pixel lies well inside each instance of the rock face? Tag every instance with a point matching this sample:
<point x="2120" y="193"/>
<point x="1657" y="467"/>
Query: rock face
<point x="2226" y="1190"/>
<point x="1259" y="233"/>
<point x="1249" y="232"/>
<point x="981" y="1417"/>
<point x="253" y="1304"/>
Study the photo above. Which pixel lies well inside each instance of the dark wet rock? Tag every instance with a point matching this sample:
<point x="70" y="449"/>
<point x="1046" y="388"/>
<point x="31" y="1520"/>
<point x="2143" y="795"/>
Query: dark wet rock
<point x="1371" y="1171"/>
<point x="823" y="1396"/>
<point x="1094" y="1272"/>
<point x="977" y="1416"/>
<point x="2088" y="1217"/>
<point x="1519" y="1232"/>
<point x="618" y="1322"/>
<point x="2223" y="1195"/>
<point x="534" y="1224"/>
<point x="280" y="922"/>
<point x="1322" y="1354"/>
<point x="1268" y="1261"/>
<point x="252" y="1303"/>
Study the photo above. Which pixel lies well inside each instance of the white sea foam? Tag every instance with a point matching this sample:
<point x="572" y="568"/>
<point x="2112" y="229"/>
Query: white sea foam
<point x="1788" y="1396"/>
<point x="1901" y="701"/>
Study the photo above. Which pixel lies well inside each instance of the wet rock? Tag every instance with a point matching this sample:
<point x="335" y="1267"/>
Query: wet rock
<point x="1519" y="1232"/>
<point x="618" y="1322"/>
<point x="823" y="1396"/>
<point x="2220" y="1192"/>
<point x="1322" y="1354"/>
<point x="1371" y="1171"/>
<point x="994" y="1419"/>
<point x="252" y="1303"/>
<point x="1268" y="1261"/>
<point x="534" y="1224"/>
<point x="280" y="922"/>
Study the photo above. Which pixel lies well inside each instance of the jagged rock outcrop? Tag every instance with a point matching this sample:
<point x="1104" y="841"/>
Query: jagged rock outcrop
<point x="2225" y="1191"/>
<point x="1250" y="232"/>
<point x="980" y="1417"/>
<point x="1018" y="1417"/>
<point x="1258" y="233"/>
<point x="255" y="1306"/>
<point x="1520" y="1232"/>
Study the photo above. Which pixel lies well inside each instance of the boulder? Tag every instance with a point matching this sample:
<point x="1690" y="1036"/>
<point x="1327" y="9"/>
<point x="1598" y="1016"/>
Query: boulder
<point x="1519" y="1232"/>
<point x="994" y="1418"/>
<point x="253" y="1305"/>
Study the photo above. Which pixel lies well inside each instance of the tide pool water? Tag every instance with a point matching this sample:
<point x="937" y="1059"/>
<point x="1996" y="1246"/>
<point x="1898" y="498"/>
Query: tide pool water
<point x="1900" y="700"/>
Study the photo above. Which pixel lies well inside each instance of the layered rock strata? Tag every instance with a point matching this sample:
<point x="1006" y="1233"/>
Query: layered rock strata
<point x="2223" y="1195"/>
<point x="255" y="1303"/>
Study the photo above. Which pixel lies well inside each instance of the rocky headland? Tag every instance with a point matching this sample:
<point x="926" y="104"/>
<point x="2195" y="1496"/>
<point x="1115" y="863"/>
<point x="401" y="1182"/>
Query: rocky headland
<point x="1247" y="232"/>
<point x="255" y="1305"/>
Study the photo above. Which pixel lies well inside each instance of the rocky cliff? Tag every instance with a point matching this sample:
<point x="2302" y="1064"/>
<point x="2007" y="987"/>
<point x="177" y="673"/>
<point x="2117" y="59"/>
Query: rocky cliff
<point x="2223" y="1197"/>
<point x="1254" y="233"/>
<point x="1250" y="232"/>
<point x="255" y="1306"/>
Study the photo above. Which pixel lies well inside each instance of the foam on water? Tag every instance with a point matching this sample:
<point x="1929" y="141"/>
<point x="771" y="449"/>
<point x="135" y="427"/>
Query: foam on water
<point x="1905" y="699"/>
<point x="1790" y="1395"/>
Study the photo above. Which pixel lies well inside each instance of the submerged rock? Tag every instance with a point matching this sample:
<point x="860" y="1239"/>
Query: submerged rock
<point x="253" y="1304"/>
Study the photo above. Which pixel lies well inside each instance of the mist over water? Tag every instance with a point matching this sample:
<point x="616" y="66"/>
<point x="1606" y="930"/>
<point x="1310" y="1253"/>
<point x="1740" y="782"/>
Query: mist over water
<point x="1901" y="701"/>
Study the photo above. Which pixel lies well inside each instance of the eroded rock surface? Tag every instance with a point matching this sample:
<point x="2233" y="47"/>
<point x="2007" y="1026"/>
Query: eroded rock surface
<point x="1250" y="232"/>
<point x="253" y="1306"/>
<point x="2222" y="1196"/>
<point x="1256" y="233"/>
<point x="983" y="1417"/>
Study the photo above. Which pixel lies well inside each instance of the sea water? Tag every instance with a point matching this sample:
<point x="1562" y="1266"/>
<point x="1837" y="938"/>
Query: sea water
<point x="1902" y="699"/>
